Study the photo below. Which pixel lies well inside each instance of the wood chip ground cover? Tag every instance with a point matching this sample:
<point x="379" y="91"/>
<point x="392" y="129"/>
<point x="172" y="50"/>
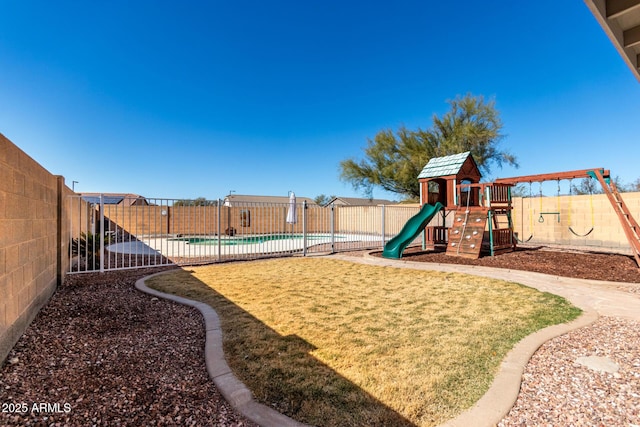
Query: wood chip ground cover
<point x="578" y="264"/>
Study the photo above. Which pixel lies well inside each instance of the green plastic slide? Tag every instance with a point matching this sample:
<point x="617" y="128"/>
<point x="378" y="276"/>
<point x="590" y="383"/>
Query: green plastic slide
<point x="411" y="230"/>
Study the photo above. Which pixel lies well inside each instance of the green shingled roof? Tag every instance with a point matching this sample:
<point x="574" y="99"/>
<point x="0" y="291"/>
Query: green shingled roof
<point x="443" y="166"/>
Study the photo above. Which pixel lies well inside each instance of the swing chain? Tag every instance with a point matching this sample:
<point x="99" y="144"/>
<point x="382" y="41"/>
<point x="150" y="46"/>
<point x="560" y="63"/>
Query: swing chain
<point x="541" y="219"/>
<point x="570" y="207"/>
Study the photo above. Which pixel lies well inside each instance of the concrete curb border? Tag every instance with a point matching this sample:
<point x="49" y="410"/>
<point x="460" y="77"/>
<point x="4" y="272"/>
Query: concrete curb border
<point x="233" y="390"/>
<point x="492" y="407"/>
<point x="496" y="403"/>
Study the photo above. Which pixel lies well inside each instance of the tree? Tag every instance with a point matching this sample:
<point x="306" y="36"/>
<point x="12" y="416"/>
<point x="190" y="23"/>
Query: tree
<point x="200" y="201"/>
<point x="323" y="199"/>
<point x="586" y="186"/>
<point x="520" y="190"/>
<point x="393" y="161"/>
<point x="621" y="186"/>
<point x="592" y="186"/>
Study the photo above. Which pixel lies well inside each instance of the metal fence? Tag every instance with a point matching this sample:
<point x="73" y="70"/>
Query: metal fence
<point x="110" y="234"/>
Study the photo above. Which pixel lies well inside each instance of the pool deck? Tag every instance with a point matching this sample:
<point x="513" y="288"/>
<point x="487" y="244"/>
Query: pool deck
<point x="172" y="247"/>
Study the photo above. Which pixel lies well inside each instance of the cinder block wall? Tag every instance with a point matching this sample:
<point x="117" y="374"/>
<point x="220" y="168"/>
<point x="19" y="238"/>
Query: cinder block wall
<point x="253" y="219"/>
<point x="581" y="213"/>
<point x="32" y="251"/>
<point x="193" y="220"/>
<point x="137" y="220"/>
<point x="368" y="219"/>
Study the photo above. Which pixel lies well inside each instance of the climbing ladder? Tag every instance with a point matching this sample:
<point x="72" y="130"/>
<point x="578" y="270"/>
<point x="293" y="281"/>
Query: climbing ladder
<point x="467" y="231"/>
<point x="629" y="224"/>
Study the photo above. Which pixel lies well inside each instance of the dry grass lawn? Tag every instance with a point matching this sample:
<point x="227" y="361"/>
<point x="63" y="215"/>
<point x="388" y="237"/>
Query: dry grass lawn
<point x="331" y="343"/>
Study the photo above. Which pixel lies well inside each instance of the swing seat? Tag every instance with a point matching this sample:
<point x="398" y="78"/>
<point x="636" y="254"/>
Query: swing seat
<point x="580" y="235"/>
<point x="522" y="241"/>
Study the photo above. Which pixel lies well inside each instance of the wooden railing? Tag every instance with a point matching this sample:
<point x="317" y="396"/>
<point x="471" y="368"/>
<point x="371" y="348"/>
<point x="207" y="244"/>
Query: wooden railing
<point x="436" y="235"/>
<point x="502" y="237"/>
<point x="500" y="193"/>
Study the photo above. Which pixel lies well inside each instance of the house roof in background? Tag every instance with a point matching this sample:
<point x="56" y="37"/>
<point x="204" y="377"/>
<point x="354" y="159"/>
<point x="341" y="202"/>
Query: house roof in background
<point x="126" y="199"/>
<point x="356" y="201"/>
<point x="245" y="198"/>
<point x="444" y="166"/>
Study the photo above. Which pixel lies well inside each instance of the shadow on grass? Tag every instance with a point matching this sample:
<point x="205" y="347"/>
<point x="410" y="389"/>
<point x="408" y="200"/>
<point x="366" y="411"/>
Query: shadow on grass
<point x="280" y="371"/>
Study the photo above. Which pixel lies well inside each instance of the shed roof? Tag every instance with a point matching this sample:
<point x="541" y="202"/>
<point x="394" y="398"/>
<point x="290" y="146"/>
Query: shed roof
<point x="444" y="166"/>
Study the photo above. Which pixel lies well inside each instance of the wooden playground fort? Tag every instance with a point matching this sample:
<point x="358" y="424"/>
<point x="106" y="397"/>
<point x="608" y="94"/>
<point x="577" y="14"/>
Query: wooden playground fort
<point x="482" y="212"/>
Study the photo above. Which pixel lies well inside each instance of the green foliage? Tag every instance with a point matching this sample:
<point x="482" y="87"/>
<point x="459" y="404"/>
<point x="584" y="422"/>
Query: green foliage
<point x="520" y="190"/>
<point x="592" y="186"/>
<point x="586" y="186"/>
<point x="622" y="187"/>
<point x="393" y="161"/>
<point x="323" y="199"/>
<point x="88" y="246"/>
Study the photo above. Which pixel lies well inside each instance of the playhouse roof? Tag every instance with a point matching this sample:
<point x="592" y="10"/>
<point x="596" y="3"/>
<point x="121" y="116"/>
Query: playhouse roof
<point x="444" y="166"/>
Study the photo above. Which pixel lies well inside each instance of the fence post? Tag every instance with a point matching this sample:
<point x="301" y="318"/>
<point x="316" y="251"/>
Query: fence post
<point x="60" y="210"/>
<point x="101" y="233"/>
<point x="219" y="242"/>
<point x="333" y="228"/>
<point x="304" y="228"/>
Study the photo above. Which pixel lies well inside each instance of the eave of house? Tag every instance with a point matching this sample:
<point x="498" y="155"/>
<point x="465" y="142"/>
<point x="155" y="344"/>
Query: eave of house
<point x="620" y="20"/>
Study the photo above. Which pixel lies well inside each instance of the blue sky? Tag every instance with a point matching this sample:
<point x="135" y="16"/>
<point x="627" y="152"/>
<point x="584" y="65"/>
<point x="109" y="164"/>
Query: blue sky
<point x="198" y="98"/>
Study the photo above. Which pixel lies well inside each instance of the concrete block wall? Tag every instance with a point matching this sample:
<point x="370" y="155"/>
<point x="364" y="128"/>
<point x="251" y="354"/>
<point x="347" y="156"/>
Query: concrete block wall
<point x="357" y="219"/>
<point x="581" y="213"/>
<point x="78" y="215"/>
<point x="136" y="220"/>
<point x="368" y="219"/>
<point x="273" y="219"/>
<point x="32" y="250"/>
<point x="193" y="220"/>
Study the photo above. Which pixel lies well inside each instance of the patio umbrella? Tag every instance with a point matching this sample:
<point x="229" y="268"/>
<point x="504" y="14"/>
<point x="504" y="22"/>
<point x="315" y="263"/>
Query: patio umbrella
<point x="292" y="215"/>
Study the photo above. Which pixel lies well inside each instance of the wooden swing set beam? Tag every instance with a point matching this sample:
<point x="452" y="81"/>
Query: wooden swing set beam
<point x="555" y="176"/>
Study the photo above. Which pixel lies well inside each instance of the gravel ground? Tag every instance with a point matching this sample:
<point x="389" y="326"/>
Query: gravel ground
<point x="101" y="353"/>
<point x="556" y="390"/>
